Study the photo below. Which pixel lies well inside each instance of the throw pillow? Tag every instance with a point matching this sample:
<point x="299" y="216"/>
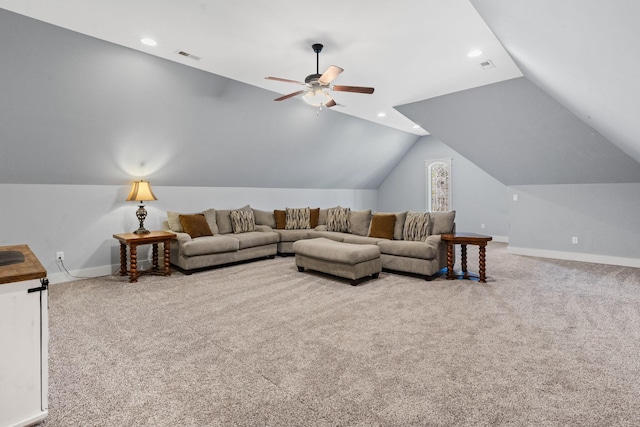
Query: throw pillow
<point x="382" y="226"/>
<point x="242" y="221"/>
<point x="223" y="219"/>
<point x="281" y="219"/>
<point x="314" y="217"/>
<point x="173" y="219"/>
<point x="416" y="226"/>
<point x="297" y="219"/>
<point x="338" y="219"/>
<point x="442" y="222"/>
<point x="359" y="222"/>
<point x="195" y="225"/>
<point x="210" y="216"/>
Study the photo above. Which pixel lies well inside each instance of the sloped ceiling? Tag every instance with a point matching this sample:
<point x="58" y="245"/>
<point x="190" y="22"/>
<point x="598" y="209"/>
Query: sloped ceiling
<point x="77" y="110"/>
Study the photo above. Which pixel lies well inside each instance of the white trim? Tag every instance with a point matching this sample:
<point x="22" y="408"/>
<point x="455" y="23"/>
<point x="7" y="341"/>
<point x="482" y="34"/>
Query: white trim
<point x="88" y="273"/>
<point x="501" y="239"/>
<point x="575" y="256"/>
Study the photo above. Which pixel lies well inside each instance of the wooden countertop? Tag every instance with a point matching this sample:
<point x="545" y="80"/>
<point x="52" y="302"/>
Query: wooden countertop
<point x="27" y="270"/>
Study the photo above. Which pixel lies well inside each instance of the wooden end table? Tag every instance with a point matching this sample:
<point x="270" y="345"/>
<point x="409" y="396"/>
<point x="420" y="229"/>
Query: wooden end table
<point x="464" y="239"/>
<point x="133" y="240"/>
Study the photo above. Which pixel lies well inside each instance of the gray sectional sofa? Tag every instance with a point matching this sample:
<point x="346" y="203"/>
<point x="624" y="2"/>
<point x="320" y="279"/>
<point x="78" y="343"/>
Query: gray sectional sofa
<point x="248" y="233"/>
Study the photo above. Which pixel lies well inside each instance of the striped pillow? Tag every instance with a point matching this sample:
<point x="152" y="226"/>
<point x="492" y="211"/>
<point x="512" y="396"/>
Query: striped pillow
<point x="297" y="218"/>
<point x="242" y="221"/>
<point x="416" y="227"/>
<point x="338" y="219"/>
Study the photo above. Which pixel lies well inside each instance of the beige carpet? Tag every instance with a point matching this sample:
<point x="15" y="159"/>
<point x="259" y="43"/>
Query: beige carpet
<point x="544" y="342"/>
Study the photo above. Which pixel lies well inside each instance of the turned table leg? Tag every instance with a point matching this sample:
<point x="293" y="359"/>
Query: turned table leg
<point x="133" y="264"/>
<point x="463" y="256"/>
<point x="167" y="267"/>
<point x="482" y="264"/>
<point x="450" y="249"/>
<point x="154" y="251"/>
<point x="123" y="259"/>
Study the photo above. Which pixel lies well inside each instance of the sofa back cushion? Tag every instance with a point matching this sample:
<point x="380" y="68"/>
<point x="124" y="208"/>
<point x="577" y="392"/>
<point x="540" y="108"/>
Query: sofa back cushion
<point x="264" y="218"/>
<point x="442" y="222"/>
<point x="195" y="225"/>
<point x="382" y="226"/>
<point x="359" y="222"/>
<point x="416" y="227"/>
<point x="242" y="221"/>
<point x="223" y="219"/>
<point x="338" y="219"/>
<point x="297" y="218"/>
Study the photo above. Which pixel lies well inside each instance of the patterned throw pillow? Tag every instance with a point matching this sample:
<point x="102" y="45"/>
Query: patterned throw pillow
<point x="195" y="225"/>
<point x="297" y="219"/>
<point x="242" y="221"/>
<point x="338" y="219"/>
<point x="416" y="227"/>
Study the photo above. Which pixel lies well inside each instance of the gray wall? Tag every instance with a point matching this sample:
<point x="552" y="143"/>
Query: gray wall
<point x="604" y="217"/>
<point x="477" y="197"/>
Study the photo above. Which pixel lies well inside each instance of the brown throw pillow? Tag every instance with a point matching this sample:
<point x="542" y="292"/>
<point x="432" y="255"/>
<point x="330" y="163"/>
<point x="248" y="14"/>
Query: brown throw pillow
<point x="281" y="219"/>
<point x="382" y="226"/>
<point x="314" y="219"/>
<point x="195" y="225"/>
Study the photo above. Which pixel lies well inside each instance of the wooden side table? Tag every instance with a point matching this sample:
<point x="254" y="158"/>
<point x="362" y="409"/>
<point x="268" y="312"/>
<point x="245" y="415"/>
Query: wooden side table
<point x="133" y="240"/>
<point x="464" y="239"/>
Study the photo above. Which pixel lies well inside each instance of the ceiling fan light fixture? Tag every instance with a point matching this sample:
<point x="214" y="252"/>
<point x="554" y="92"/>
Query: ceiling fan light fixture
<point x="316" y="97"/>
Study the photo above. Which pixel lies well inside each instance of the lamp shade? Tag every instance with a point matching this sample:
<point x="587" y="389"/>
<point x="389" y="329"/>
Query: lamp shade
<point x="141" y="191"/>
<point x="316" y="97"/>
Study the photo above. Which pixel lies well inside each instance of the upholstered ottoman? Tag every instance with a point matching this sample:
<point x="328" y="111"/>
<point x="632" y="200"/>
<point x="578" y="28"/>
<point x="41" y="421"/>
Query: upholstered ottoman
<point x="347" y="260"/>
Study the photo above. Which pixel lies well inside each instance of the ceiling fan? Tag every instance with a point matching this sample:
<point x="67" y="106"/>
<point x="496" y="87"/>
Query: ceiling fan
<point x="316" y="84"/>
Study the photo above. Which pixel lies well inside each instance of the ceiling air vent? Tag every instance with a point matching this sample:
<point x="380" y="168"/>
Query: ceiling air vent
<point x="188" y="55"/>
<point x="487" y="64"/>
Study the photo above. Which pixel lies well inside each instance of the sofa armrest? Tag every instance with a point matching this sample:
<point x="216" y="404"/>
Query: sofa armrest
<point x="182" y="237"/>
<point x="263" y="228"/>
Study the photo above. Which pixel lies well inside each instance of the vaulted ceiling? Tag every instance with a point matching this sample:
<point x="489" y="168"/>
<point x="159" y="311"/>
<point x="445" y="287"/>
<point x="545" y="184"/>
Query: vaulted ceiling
<point x="557" y="102"/>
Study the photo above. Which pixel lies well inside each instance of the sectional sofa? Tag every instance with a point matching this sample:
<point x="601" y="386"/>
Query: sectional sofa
<point x="409" y="242"/>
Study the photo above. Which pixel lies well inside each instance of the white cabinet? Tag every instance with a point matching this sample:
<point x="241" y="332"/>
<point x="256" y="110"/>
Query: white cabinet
<point x="23" y="351"/>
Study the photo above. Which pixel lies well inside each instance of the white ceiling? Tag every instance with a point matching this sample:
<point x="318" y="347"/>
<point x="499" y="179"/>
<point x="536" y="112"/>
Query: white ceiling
<point x="409" y="50"/>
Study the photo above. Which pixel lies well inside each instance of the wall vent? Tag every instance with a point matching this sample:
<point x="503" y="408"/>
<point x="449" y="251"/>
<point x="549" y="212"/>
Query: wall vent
<point x="188" y="55"/>
<point x="487" y="64"/>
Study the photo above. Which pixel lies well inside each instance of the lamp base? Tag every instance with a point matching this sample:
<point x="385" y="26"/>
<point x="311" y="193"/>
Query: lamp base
<point x="142" y="231"/>
<point x="141" y="213"/>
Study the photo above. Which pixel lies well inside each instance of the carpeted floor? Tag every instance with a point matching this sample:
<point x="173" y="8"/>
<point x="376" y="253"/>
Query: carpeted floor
<point x="543" y="342"/>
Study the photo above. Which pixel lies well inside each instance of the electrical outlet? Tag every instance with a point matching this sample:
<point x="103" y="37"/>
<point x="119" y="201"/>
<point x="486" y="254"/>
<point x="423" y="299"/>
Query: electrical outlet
<point x="574" y="240"/>
<point x="515" y="197"/>
<point x="481" y="225"/>
<point x="60" y="256"/>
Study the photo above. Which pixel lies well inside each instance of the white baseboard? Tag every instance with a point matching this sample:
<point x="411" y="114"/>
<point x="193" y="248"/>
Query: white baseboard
<point x="88" y="273"/>
<point x="575" y="256"/>
<point x="501" y="239"/>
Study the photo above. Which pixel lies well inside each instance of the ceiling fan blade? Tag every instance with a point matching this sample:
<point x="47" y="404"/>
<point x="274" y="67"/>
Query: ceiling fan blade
<point x="356" y="89"/>
<point x="330" y="104"/>
<point x="291" y="95"/>
<point x="331" y="73"/>
<point x="284" y="80"/>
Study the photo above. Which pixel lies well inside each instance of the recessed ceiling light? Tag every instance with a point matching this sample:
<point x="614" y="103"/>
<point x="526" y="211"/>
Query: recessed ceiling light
<point x="416" y="126"/>
<point x="474" y="53"/>
<point x="148" y="41"/>
<point x="382" y="114"/>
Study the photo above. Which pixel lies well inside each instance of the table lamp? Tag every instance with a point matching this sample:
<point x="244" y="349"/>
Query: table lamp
<point x="141" y="192"/>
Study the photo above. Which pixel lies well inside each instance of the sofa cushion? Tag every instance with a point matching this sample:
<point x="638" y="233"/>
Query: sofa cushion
<point x="421" y="250"/>
<point x="338" y="219"/>
<point x="209" y="245"/>
<point x="416" y="227"/>
<point x="322" y="217"/>
<point x="293" y="235"/>
<point x="242" y="221"/>
<point x="297" y="219"/>
<point x="359" y="240"/>
<point x="223" y="219"/>
<point x="256" y="238"/>
<point x="264" y="218"/>
<point x="398" y="230"/>
<point x="314" y="217"/>
<point x="442" y="222"/>
<point x="195" y="225"/>
<point x="359" y="222"/>
<point x="281" y="219"/>
<point x="382" y="226"/>
<point x="173" y="220"/>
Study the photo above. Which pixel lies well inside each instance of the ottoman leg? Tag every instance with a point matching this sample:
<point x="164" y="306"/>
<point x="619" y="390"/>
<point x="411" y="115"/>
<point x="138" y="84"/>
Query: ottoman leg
<point x="300" y="269"/>
<point x="375" y="275"/>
